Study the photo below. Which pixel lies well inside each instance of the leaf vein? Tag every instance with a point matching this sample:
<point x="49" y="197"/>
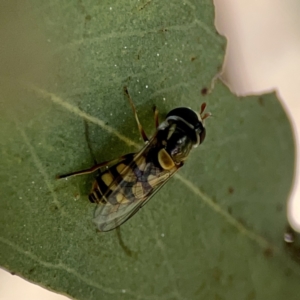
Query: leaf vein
<point x="45" y="176"/>
<point x="137" y="33"/>
<point x="61" y="266"/>
<point x="39" y="166"/>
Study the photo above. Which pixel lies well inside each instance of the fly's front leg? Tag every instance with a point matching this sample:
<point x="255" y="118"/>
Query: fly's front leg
<point x="141" y="130"/>
<point x="156" y="121"/>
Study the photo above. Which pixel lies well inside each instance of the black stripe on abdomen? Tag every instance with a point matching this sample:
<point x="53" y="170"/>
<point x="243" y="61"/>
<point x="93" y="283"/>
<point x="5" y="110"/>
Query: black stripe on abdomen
<point x="101" y="186"/>
<point x="105" y="179"/>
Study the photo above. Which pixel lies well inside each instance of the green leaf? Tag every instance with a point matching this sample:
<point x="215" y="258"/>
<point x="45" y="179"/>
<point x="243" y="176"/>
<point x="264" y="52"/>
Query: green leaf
<point x="215" y="231"/>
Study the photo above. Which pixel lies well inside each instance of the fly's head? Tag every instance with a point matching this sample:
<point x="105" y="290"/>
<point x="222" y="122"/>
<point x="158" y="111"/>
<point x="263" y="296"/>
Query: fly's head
<point x="182" y="130"/>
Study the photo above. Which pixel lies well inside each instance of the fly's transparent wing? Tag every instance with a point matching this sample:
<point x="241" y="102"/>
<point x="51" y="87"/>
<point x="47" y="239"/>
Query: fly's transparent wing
<point x="136" y="184"/>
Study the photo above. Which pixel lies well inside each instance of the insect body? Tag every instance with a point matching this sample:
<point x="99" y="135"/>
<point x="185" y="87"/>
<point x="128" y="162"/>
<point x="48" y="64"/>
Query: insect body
<point x="130" y="181"/>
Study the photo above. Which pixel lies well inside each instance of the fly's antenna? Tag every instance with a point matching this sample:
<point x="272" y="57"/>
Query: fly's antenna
<point x="202" y="114"/>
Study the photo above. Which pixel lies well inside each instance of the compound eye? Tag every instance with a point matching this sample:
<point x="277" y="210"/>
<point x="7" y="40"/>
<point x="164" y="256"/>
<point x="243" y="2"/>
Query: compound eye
<point x="202" y="135"/>
<point x="180" y="141"/>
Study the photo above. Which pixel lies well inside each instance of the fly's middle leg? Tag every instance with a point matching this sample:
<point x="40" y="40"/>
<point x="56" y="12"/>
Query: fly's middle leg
<point x="140" y="127"/>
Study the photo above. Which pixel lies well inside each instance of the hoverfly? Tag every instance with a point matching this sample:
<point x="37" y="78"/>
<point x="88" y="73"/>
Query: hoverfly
<point x="126" y="184"/>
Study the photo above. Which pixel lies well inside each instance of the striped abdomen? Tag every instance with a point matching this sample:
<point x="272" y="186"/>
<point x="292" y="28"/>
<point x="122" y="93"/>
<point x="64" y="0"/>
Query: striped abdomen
<point x="108" y="181"/>
<point x="131" y="179"/>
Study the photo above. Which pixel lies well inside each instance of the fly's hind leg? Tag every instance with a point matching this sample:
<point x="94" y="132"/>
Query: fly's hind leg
<point x="86" y="171"/>
<point x="97" y="166"/>
<point x="141" y="130"/>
